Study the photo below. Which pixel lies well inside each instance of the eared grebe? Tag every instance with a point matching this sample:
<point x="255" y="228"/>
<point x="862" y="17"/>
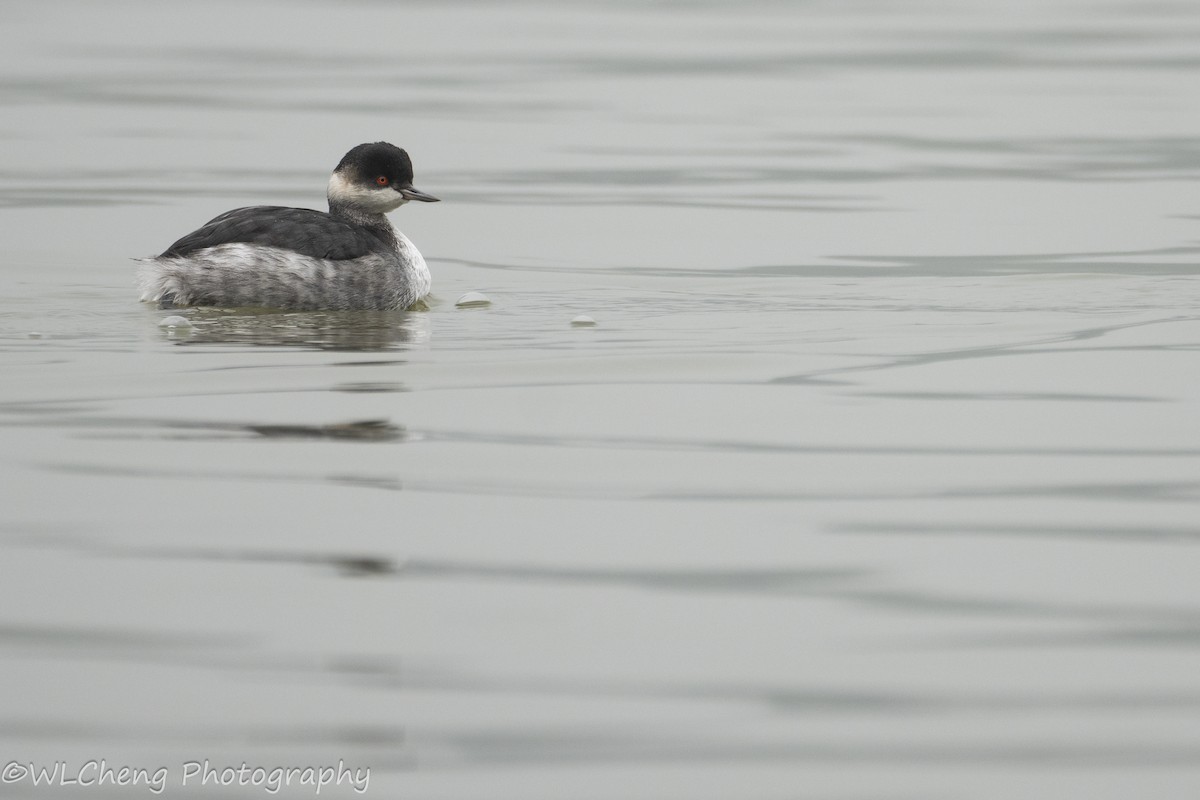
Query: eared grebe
<point x="275" y="257"/>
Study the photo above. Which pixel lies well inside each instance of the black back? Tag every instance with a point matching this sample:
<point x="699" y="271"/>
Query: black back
<point x="301" y="230"/>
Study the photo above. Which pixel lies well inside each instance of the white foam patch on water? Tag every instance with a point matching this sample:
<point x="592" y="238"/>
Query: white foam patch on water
<point x="473" y="300"/>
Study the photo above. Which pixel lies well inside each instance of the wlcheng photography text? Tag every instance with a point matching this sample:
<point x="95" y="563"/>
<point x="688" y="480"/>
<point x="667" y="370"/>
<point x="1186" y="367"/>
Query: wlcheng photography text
<point x="98" y="773"/>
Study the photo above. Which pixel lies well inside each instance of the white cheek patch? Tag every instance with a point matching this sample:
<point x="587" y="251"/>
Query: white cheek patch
<point x="373" y="200"/>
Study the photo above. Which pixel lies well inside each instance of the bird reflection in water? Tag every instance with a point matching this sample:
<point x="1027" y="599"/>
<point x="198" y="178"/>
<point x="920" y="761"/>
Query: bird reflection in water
<point x="320" y="330"/>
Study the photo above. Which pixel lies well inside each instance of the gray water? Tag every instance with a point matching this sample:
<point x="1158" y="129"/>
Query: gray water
<point x="877" y="477"/>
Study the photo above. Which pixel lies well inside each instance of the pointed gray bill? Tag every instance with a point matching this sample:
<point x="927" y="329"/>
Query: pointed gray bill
<point x="413" y="193"/>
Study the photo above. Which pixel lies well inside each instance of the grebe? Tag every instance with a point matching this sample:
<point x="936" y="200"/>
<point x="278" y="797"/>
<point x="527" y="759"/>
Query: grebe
<point x="299" y="258"/>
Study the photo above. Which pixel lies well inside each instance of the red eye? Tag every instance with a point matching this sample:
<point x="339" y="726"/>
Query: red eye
<point x="382" y="180"/>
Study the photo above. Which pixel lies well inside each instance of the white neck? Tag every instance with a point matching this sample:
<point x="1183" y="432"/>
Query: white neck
<point x="365" y="199"/>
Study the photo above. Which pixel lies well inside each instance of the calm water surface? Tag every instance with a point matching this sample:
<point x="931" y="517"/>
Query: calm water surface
<point x="879" y="476"/>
